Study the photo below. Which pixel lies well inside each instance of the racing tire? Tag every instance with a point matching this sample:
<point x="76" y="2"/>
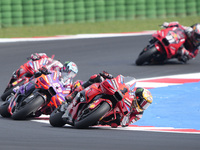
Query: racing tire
<point x="92" y="117"/>
<point x="32" y="106"/>
<point x="4" y="110"/>
<point x="146" y="56"/>
<point x="9" y="91"/>
<point x="56" y="118"/>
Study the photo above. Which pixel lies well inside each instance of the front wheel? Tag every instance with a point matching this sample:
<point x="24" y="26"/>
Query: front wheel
<point x="10" y="90"/>
<point x="146" y="56"/>
<point x="7" y="93"/>
<point x="56" y="118"/>
<point x="30" y="105"/>
<point x="4" y="110"/>
<point x="91" y="117"/>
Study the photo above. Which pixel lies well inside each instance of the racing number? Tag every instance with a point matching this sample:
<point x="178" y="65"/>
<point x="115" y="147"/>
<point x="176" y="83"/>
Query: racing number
<point x="171" y="37"/>
<point x="57" y="87"/>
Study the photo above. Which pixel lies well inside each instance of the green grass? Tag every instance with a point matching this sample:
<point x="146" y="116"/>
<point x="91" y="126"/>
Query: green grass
<point x="99" y="27"/>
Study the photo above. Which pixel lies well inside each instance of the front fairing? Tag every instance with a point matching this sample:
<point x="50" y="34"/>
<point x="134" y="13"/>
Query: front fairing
<point x="91" y="92"/>
<point x="13" y="102"/>
<point x="83" y="100"/>
<point x="30" y="66"/>
<point x="171" y="39"/>
<point x="55" y="88"/>
<point x="122" y="107"/>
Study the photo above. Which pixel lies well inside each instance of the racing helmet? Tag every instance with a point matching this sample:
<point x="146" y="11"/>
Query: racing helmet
<point x="195" y="35"/>
<point x="76" y="84"/>
<point x="35" y="56"/>
<point x="68" y="71"/>
<point x="143" y="98"/>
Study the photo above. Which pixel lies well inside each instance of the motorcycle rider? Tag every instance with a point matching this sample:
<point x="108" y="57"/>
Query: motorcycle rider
<point x="45" y="60"/>
<point x="137" y="102"/>
<point x="141" y="99"/>
<point x="65" y="74"/>
<point x="191" y="46"/>
<point x="37" y="59"/>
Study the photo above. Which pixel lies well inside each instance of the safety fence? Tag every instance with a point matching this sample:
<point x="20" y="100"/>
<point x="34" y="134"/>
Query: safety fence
<point x="39" y="12"/>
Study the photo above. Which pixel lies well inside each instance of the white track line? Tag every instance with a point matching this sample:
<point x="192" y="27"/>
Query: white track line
<point x="78" y="36"/>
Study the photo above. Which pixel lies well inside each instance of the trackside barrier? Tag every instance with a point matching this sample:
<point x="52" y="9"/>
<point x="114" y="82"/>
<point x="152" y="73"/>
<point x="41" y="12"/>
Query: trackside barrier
<point x="40" y="12"/>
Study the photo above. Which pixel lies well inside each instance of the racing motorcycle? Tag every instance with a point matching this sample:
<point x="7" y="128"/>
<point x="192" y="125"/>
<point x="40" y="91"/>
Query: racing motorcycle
<point x="39" y="96"/>
<point x="98" y="104"/>
<point x="163" y="46"/>
<point x="29" y="68"/>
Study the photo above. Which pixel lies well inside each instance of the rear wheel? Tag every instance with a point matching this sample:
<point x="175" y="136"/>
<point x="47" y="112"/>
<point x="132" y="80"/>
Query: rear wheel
<point x="30" y="105"/>
<point x="92" y="116"/>
<point x="146" y="56"/>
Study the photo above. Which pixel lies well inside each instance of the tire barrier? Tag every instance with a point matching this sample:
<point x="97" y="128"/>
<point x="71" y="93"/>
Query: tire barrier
<point x="40" y="12"/>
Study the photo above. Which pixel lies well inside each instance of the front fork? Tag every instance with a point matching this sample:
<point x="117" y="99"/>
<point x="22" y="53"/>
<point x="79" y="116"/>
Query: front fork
<point x="12" y="102"/>
<point x="20" y="93"/>
<point x="161" y="55"/>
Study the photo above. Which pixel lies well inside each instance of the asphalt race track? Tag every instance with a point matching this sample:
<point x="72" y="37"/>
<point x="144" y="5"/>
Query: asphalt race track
<point x="115" y="55"/>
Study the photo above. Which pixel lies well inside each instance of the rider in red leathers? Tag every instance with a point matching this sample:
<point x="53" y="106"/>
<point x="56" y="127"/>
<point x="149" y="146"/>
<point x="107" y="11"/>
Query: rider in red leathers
<point x="38" y="60"/>
<point x="34" y="63"/>
<point x="191" y="46"/>
<point x="137" y="102"/>
<point x="141" y="101"/>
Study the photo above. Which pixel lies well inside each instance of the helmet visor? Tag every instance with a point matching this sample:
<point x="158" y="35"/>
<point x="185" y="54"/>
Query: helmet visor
<point x="196" y="35"/>
<point x="146" y="99"/>
<point x="68" y="75"/>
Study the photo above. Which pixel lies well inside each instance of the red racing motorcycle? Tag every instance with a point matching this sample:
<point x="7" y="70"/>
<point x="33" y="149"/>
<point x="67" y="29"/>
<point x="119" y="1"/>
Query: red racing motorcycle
<point x="99" y="104"/>
<point x="163" y="46"/>
<point x="28" y="69"/>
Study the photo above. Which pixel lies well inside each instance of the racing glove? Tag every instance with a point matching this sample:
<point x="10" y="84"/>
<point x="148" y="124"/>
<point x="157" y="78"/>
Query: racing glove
<point x="44" y="70"/>
<point x="37" y="74"/>
<point x="41" y="71"/>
